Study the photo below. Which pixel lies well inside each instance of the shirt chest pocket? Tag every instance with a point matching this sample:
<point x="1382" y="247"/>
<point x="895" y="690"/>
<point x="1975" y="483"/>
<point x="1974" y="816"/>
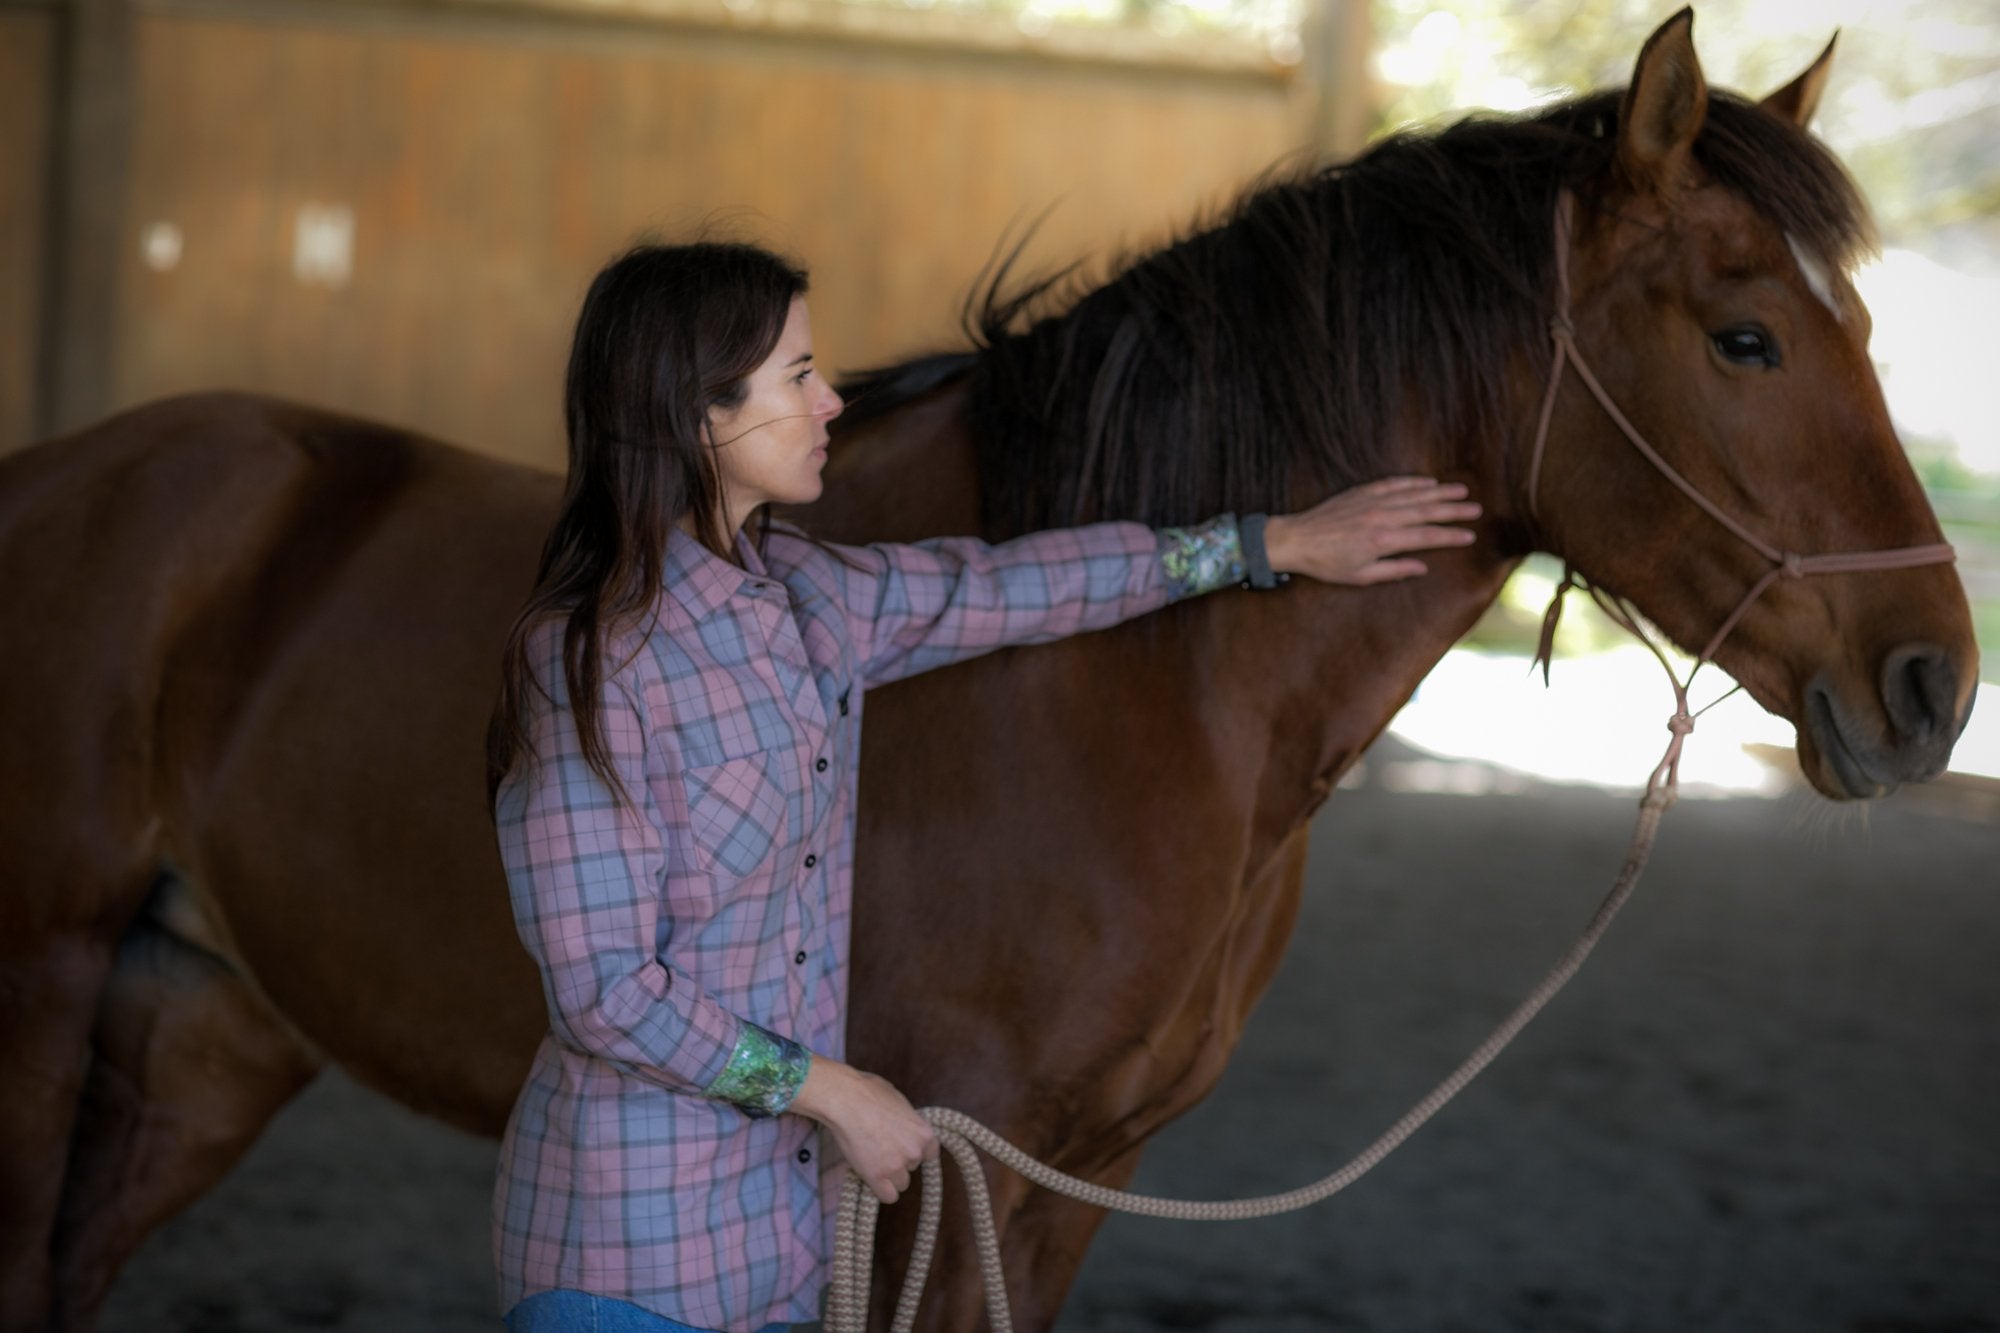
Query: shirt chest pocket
<point x="738" y="810"/>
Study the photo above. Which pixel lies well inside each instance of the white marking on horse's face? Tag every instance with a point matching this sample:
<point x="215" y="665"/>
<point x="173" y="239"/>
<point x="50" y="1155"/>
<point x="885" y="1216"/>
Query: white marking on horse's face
<point x="1819" y="278"/>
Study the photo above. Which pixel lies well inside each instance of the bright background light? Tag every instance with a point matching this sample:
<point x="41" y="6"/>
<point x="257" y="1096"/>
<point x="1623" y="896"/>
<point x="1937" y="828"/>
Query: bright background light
<point x="1602" y="722"/>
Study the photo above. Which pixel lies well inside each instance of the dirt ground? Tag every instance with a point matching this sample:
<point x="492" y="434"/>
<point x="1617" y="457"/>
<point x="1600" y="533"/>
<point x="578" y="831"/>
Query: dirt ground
<point x="1770" y="1102"/>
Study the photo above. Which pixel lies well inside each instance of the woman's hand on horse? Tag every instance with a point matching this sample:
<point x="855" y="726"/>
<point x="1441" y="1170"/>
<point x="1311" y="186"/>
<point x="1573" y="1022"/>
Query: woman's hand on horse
<point x="878" y="1132"/>
<point x="1365" y="535"/>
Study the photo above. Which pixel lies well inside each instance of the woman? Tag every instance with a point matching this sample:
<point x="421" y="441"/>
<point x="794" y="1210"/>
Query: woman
<point x="675" y="748"/>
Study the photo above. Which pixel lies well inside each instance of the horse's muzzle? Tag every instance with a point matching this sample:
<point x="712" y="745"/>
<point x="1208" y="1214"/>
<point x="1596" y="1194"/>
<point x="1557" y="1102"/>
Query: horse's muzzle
<point x="1923" y="717"/>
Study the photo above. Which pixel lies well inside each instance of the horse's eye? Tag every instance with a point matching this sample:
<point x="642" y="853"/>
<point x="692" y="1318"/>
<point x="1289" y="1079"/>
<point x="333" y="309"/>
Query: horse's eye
<point x="1748" y="346"/>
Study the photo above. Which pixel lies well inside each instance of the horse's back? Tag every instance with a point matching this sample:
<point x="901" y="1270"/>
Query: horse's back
<point x="181" y="490"/>
<point x="123" y="544"/>
<point x="94" y="522"/>
<point x="113" y="536"/>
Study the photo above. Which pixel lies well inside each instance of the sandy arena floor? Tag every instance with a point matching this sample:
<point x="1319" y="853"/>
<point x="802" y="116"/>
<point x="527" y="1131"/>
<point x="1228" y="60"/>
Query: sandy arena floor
<point x="1771" y="1102"/>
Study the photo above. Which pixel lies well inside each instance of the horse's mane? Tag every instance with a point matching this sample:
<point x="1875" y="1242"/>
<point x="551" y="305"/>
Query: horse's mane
<point x="1269" y="354"/>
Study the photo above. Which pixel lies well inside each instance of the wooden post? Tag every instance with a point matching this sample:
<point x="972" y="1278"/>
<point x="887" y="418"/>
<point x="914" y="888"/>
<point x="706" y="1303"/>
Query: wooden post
<point x="1339" y="42"/>
<point x="27" y="81"/>
<point x="87" y="232"/>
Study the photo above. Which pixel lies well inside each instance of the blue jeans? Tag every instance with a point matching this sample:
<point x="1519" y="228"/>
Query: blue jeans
<point x="581" y="1312"/>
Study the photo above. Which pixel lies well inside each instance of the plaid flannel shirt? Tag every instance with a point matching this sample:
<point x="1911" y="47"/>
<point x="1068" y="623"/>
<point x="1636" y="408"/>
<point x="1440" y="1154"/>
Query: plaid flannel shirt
<point x="687" y="939"/>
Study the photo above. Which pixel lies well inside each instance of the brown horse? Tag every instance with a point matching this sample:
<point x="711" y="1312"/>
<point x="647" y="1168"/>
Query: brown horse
<point x="247" y="651"/>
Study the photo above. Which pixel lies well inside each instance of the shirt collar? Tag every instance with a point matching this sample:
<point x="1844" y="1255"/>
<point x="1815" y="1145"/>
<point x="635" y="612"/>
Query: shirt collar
<point x="703" y="582"/>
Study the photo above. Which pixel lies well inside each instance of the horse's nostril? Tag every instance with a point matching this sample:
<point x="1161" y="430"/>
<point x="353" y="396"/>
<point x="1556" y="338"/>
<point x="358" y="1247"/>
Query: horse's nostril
<point x="1919" y="691"/>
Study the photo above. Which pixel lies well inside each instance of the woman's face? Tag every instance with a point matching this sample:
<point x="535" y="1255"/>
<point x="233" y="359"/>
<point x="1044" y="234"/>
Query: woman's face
<point x="771" y="447"/>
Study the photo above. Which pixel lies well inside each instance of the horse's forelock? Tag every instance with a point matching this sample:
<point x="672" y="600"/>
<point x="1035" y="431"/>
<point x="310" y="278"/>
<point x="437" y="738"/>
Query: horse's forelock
<point x="1788" y="176"/>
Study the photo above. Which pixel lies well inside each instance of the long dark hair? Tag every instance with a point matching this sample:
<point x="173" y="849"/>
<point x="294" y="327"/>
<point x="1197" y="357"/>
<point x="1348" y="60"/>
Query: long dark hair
<point x="666" y="333"/>
<point x="1266" y="359"/>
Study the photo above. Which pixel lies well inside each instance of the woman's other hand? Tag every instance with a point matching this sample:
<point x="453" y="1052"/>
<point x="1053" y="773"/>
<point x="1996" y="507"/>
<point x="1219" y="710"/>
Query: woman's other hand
<point x="878" y="1132"/>
<point x="1365" y="535"/>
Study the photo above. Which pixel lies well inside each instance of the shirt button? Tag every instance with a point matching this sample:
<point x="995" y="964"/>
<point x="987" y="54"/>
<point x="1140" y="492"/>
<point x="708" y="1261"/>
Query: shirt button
<point x="800" y="958"/>
<point x="805" y="1154"/>
<point x="819" y="766"/>
<point x="811" y="860"/>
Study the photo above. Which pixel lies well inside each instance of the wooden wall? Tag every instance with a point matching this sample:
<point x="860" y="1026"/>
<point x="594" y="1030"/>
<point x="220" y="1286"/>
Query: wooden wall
<point x="490" y="162"/>
<point x="27" y="55"/>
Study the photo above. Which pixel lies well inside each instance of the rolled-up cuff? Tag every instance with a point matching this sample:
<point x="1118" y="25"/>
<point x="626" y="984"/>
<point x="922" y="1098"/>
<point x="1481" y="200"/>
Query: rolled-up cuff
<point x="1202" y="558"/>
<point x="764" y="1072"/>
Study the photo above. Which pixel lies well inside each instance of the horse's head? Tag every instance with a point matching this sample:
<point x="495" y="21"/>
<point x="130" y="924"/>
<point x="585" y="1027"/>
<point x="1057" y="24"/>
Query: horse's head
<point x="1709" y="266"/>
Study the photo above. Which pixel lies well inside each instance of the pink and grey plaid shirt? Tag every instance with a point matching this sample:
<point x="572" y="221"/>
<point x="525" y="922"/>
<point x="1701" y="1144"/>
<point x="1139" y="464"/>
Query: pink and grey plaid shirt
<point x="689" y="937"/>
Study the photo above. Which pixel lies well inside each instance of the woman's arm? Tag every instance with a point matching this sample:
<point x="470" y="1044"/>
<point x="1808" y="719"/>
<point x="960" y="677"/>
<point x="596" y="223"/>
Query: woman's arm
<point x="924" y="605"/>
<point x="586" y="874"/>
<point x="927" y="604"/>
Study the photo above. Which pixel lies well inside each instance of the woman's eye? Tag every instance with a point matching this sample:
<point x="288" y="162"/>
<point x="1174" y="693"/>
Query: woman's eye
<point x="1747" y="346"/>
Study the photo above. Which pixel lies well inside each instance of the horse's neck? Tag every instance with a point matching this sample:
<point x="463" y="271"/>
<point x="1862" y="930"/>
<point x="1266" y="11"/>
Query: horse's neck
<point x="1310" y="675"/>
<point x="1323" y="669"/>
<point x="902" y="477"/>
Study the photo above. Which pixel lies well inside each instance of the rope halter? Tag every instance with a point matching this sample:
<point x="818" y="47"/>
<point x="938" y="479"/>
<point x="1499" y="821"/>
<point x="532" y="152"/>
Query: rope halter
<point x="1784" y="564"/>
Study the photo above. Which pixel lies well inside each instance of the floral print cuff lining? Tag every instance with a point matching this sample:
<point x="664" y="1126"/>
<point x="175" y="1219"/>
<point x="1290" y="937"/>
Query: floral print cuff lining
<point x="1201" y="558"/>
<point x="764" y="1073"/>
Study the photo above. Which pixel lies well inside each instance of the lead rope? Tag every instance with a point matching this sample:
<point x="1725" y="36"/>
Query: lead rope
<point x="961" y="1135"/>
<point x="964" y="1138"/>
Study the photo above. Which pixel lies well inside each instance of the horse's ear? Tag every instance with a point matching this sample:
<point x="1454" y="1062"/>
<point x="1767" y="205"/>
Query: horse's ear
<point x="1664" y="109"/>
<point x="1797" y="100"/>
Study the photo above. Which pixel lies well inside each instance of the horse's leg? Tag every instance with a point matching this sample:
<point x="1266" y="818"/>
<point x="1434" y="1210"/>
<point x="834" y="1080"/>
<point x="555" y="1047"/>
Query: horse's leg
<point x="69" y="879"/>
<point x="191" y="1064"/>
<point x="1043" y="1237"/>
<point x="50" y="985"/>
<point x="1045" y="1243"/>
<point x="954" y="1296"/>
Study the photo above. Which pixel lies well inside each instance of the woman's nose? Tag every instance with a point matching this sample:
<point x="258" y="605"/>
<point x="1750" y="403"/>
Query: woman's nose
<point x="830" y="405"/>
